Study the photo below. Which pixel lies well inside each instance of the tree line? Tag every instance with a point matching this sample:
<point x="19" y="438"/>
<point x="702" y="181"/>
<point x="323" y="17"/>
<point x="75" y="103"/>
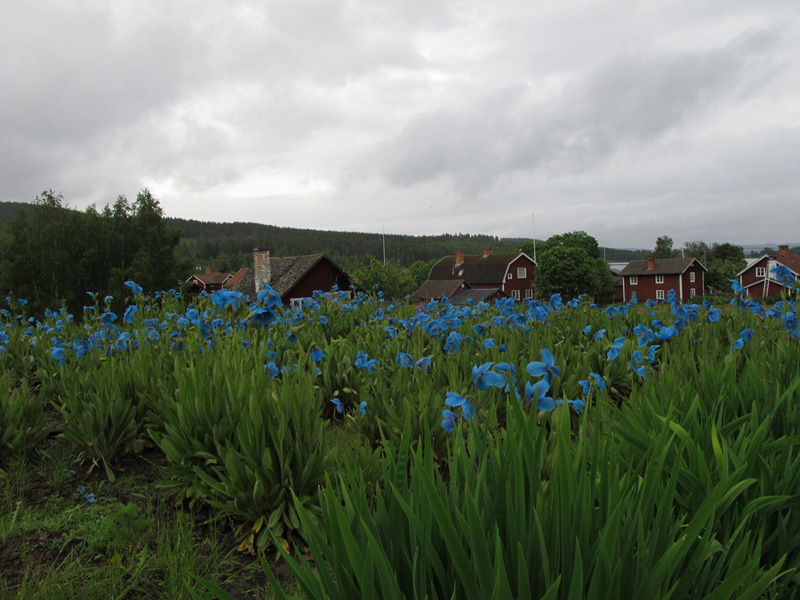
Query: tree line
<point x="53" y="255"/>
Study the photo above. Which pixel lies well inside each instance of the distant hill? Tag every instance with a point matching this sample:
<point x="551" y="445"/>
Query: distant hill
<point x="235" y="241"/>
<point x="228" y="246"/>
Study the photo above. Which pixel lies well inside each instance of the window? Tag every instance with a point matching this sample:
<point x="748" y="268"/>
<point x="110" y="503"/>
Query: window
<point x="515" y="294"/>
<point x="460" y="272"/>
<point x="659" y="279"/>
<point x="761" y="271"/>
<point x="521" y="272"/>
<point x="529" y="293"/>
<point x="509" y="276"/>
<point x="659" y="294"/>
<point x="691" y="276"/>
<point x="633" y="279"/>
<point x="692" y="292"/>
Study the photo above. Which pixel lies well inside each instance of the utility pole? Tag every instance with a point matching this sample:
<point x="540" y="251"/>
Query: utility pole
<point x="384" y="244"/>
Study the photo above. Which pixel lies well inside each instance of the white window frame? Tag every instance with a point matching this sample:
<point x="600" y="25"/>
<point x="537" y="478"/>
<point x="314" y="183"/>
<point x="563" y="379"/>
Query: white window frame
<point x="692" y="292"/>
<point x="660" y="279"/>
<point x="691" y="276"/>
<point x="659" y="294"/>
<point x="529" y="293"/>
<point x="522" y="272"/>
<point x="761" y="271"/>
<point x="515" y="294"/>
<point x="509" y="276"/>
<point x="633" y="280"/>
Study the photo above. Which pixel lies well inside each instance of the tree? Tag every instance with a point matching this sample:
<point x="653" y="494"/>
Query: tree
<point x="569" y="264"/>
<point x="52" y="254"/>
<point x="663" y="247"/>
<point x="573" y="239"/>
<point x="699" y="250"/>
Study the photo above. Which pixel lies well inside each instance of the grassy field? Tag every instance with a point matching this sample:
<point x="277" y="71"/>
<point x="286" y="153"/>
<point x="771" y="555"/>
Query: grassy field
<point x="357" y="447"/>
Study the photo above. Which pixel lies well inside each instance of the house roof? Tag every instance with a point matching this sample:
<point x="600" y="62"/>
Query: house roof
<point x="236" y="277"/>
<point x="662" y="266"/>
<point x="437" y="288"/>
<point x="285" y="274"/>
<point x="211" y="278"/>
<point x="477" y="269"/>
<point x="789" y="260"/>
<point x="476" y="296"/>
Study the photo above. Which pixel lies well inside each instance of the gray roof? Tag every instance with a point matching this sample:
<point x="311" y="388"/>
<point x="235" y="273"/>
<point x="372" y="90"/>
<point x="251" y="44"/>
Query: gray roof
<point x="476" y="296"/>
<point x="662" y="266"/>
<point x="477" y="269"/>
<point x="433" y="289"/>
<point x="286" y="272"/>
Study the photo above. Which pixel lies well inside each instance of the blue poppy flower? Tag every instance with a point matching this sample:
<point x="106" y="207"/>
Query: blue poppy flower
<point x="546" y="367"/>
<point x="423" y="363"/>
<point x="317" y="355"/>
<point x="587" y="330"/>
<point x="362" y="407"/>
<point x="599" y="335"/>
<point x="645" y="335"/>
<point x="454" y="400"/>
<point x="449" y="421"/>
<point x="484" y="378"/>
<point x="538" y="391"/>
<point x="136" y="289"/>
<point x="636" y="363"/>
<point x="666" y="333"/>
<point x="58" y="353"/>
<point x="338" y="404"/>
<point x="747" y="334"/>
<point x="405" y="360"/>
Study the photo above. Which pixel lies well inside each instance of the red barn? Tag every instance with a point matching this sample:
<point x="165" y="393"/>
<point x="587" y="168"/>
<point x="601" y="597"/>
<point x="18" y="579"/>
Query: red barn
<point x="756" y="278"/>
<point x="506" y="274"/>
<point x="652" y="279"/>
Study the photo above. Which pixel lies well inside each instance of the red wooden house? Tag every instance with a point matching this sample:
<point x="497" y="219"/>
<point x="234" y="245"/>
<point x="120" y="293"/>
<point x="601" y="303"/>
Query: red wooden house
<point x="505" y="274"/>
<point x="208" y="281"/>
<point x="292" y="277"/>
<point x="756" y="278"/>
<point x="652" y="279"/>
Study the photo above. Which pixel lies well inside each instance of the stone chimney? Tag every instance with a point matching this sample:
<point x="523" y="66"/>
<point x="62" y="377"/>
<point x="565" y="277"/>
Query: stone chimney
<point x="651" y="262"/>
<point x="459" y="257"/>
<point x="208" y="270"/>
<point x="261" y="268"/>
<point x="487" y="252"/>
<point x="783" y="250"/>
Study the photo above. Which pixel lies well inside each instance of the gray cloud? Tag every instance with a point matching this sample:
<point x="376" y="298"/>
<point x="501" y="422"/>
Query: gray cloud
<point x="414" y="115"/>
<point x="632" y="99"/>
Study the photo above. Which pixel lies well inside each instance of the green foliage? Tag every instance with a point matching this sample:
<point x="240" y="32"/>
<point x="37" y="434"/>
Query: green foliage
<point x="53" y="255"/>
<point x="723" y="262"/>
<point x="22" y="419"/>
<point x="569" y="264"/>
<point x="663" y="247"/>
<point x="573" y="239"/>
<point x="392" y="279"/>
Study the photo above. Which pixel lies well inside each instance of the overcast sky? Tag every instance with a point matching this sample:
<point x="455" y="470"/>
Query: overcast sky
<point x="628" y="120"/>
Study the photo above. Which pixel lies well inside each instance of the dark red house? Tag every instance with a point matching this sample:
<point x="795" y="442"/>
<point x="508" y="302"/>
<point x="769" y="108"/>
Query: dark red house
<point x="756" y="278"/>
<point x="208" y="281"/>
<point x="293" y="277"/>
<point x="652" y="279"/>
<point x="507" y="274"/>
